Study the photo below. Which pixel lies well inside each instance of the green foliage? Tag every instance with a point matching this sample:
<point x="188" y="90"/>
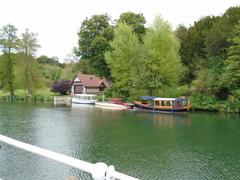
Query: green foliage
<point x="206" y="102"/>
<point x="209" y="51"/>
<point x="147" y="68"/>
<point x="175" y="91"/>
<point x="94" y="36"/>
<point x="209" y="82"/>
<point x="8" y="44"/>
<point x="8" y="38"/>
<point x="231" y="76"/>
<point x="7" y="62"/>
<point x="51" y="73"/>
<point x="235" y="99"/>
<point x="69" y="71"/>
<point x="27" y="74"/>
<point x="123" y="59"/>
<point x="193" y="50"/>
<point x="20" y="95"/>
<point x="135" y="21"/>
<point x="47" y="60"/>
<point x="189" y="74"/>
<point x="161" y="67"/>
<point x="50" y="68"/>
<point x="28" y="44"/>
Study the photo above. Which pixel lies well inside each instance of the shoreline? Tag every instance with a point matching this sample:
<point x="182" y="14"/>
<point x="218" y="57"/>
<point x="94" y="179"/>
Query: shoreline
<point x="66" y="100"/>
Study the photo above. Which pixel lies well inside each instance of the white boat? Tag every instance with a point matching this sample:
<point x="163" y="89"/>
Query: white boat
<point x="108" y="105"/>
<point x="84" y="99"/>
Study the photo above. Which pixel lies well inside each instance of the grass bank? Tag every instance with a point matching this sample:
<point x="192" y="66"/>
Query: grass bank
<point x="39" y="95"/>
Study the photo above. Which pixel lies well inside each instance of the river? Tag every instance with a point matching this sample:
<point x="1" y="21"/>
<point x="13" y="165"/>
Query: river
<point x="197" y="145"/>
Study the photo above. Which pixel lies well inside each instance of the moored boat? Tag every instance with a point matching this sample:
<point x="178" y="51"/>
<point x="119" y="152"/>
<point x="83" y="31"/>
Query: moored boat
<point x="162" y="105"/>
<point x="84" y="99"/>
<point x="115" y="103"/>
<point x="109" y="105"/>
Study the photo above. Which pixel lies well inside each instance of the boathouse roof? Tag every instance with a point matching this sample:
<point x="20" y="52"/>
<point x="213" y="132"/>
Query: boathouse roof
<point x="89" y="80"/>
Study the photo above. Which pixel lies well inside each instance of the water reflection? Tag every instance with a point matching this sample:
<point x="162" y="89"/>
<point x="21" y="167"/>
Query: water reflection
<point x="166" y="119"/>
<point x="145" y="145"/>
<point x="172" y="120"/>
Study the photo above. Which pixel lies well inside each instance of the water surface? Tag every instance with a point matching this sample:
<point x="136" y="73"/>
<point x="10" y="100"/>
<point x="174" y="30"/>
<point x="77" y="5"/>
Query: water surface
<point x="145" y="145"/>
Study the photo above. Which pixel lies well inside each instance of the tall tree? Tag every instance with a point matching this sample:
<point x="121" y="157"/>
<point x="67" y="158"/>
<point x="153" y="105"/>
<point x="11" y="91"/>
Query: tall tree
<point x="94" y="37"/>
<point x="30" y="76"/>
<point x="162" y="65"/>
<point x="231" y="75"/>
<point x="8" y="44"/>
<point x="207" y="45"/>
<point x="135" y="21"/>
<point x="28" y="44"/>
<point x="123" y="59"/>
<point x="182" y="34"/>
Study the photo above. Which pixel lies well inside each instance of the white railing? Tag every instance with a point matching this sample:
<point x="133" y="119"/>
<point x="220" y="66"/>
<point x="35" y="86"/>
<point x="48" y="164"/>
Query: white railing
<point x="99" y="171"/>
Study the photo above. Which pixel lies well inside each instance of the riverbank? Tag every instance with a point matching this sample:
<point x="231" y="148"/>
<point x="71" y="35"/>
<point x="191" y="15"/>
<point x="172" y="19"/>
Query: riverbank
<point x="199" y="102"/>
<point x="204" y="102"/>
<point x="39" y="95"/>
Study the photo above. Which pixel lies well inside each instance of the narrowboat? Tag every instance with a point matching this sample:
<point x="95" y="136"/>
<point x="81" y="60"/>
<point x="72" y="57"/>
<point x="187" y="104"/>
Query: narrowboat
<point x="162" y="105"/>
<point x="84" y="98"/>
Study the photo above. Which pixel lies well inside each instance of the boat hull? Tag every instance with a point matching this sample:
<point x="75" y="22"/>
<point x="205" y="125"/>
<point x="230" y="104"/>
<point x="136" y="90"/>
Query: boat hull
<point x="108" y="105"/>
<point x="79" y="101"/>
<point x="142" y="107"/>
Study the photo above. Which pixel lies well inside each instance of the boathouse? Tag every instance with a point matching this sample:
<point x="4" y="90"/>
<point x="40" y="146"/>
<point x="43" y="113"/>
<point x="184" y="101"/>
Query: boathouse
<point x="88" y="84"/>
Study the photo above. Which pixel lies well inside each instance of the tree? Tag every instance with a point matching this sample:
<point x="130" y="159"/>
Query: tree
<point x="161" y="67"/>
<point x="29" y="73"/>
<point x="8" y="44"/>
<point x="182" y="35"/>
<point x="210" y="55"/>
<point x="49" y="60"/>
<point x="94" y="37"/>
<point x="62" y="87"/>
<point x="28" y="44"/>
<point x="231" y="75"/>
<point x="136" y="22"/>
<point x="123" y="58"/>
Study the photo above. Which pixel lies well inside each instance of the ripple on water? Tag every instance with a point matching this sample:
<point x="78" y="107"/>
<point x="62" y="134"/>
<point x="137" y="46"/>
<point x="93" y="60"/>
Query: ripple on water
<point x="148" y="146"/>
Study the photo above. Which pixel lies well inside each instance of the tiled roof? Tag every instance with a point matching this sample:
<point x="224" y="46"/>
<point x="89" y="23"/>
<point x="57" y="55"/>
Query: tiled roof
<point x="89" y="80"/>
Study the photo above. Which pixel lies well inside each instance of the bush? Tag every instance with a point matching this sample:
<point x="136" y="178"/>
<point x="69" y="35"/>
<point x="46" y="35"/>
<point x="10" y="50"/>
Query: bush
<point x="62" y="87"/>
<point x="210" y="103"/>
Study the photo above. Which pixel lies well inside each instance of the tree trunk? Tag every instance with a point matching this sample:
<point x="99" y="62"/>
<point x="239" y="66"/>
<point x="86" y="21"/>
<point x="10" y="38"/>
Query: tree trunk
<point x="10" y="75"/>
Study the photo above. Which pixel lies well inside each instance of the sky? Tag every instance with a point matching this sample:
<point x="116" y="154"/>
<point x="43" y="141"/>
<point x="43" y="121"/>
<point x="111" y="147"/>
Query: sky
<point x="57" y="22"/>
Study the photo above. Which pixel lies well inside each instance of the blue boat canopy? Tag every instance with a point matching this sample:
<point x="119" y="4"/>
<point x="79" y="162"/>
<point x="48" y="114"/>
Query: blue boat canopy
<point x="148" y="97"/>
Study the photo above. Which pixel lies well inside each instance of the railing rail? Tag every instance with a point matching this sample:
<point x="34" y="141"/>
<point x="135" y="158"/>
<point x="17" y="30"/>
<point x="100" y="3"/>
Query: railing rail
<point x="99" y="171"/>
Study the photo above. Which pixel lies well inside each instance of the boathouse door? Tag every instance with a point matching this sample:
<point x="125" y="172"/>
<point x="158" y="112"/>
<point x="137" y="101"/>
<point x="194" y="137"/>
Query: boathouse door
<point x="78" y="89"/>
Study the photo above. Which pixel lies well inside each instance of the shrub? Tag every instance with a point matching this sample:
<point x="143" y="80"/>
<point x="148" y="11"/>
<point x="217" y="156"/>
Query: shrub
<point x="62" y="87"/>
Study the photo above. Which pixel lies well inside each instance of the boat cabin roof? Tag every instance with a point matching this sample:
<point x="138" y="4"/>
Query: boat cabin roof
<point x="169" y="99"/>
<point x="154" y="98"/>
